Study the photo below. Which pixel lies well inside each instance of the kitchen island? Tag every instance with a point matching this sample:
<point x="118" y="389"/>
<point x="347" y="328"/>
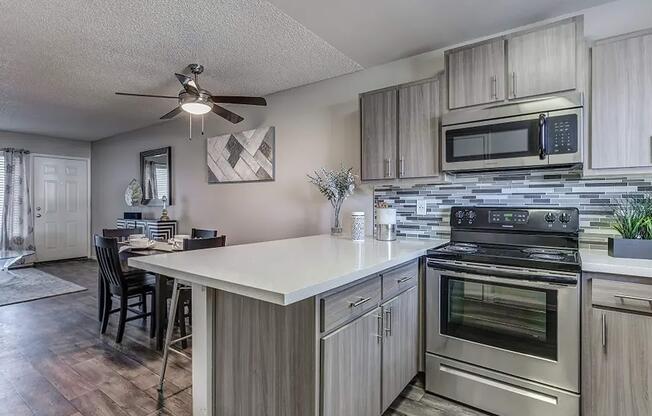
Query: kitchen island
<point x="285" y="327"/>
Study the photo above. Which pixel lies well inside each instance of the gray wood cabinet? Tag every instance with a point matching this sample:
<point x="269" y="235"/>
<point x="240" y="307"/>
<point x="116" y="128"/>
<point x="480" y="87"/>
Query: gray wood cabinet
<point x="542" y="61"/>
<point x="621" y="134"/>
<point x="476" y="74"/>
<point x="351" y="359"/>
<point x="400" y="357"/>
<point x="621" y="363"/>
<point x="418" y="129"/>
<point x="378" y="125"/>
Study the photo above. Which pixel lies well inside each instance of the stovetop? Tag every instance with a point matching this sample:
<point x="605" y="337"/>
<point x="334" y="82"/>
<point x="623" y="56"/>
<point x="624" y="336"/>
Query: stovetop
<point x="549" y="258"/>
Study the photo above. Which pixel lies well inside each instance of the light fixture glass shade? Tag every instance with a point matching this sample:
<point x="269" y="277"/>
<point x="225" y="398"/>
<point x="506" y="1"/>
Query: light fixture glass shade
<point x="196" y="108"/>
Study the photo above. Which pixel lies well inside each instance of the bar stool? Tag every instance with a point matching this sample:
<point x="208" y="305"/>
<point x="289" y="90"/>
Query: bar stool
<point x="178" y="288"/>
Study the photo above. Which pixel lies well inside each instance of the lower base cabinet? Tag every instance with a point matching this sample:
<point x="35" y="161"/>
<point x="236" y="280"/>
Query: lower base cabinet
<point x="351" y="368"/>
<point x="400" y="344"/>
<point x="622" y="363"/>
<point x="367" y="363"/>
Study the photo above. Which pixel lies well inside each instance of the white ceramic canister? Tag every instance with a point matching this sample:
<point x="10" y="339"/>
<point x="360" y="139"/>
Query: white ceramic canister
<point x="357" y="226"/>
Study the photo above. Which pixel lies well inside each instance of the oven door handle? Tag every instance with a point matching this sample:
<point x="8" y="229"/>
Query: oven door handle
<point x="530" y="275"/>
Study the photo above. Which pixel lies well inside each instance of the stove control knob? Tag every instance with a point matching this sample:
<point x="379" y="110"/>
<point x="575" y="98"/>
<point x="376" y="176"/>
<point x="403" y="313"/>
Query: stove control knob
<point x="459" y="214"/>
<point x="471" y="215"/>
<point x="550" y="217"/>
<point x="564" y="217"/>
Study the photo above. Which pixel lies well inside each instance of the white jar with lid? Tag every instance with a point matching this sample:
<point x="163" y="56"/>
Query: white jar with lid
<point x="357" y="226"/>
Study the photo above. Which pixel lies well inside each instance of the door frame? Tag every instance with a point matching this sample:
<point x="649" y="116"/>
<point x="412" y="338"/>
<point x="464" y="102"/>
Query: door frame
<point x="88" y="188"/>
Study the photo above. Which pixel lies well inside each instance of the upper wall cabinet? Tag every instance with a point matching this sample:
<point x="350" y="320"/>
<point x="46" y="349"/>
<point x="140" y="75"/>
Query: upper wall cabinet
<point x="399" y="127"/>
<point x="378" y="111"/>
<point x="476" y="75"/>
<point x="621" y="133"/>
<point x="542" y="61"/>
<point x="418" y="130"/>
<point x="520" y="65"/>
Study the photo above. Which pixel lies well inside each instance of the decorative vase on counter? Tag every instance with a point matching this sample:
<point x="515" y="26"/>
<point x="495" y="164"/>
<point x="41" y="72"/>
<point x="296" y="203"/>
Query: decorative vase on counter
<point x="357" y="226"/>
<point x="336" y="186"/>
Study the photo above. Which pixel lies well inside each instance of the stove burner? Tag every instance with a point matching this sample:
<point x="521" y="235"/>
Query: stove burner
<point x="545" y="253"/>
<point x="462" y="247"/>
<point x="544" y="256"/>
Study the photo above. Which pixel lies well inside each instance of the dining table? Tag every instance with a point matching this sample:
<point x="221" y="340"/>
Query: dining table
<point x="162" y="290"/>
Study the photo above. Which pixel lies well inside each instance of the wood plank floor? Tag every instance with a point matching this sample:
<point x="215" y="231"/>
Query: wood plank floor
<point x="53" y="362"/>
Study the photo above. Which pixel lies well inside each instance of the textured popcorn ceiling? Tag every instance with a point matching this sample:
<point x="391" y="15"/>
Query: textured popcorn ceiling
<point x="62" y="60"/>
<point x="378" y="31"/>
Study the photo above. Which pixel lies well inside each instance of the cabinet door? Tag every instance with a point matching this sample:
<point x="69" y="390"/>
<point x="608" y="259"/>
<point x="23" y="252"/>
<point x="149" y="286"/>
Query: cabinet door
<point x="400" y="344"/>
<point x="351" y="368"/>
<point x="621" y="133"/>
<point x="476" y="75"/>
<point x="542" y="61"/>
<point x="418" y="134"/>
<point x="621" y="348"/>
<point x="379" y="132"/>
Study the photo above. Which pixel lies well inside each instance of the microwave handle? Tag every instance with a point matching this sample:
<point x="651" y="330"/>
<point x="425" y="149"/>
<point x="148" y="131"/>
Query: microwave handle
<point x="543" y="151"/>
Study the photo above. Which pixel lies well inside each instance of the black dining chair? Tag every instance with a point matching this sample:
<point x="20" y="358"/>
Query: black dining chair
<point x="181" y="294"/>
<point x="203" y="233"/>
<point x="122" y="234"/>
<point x="125" y="285"/>
<point x="201" y="243"/>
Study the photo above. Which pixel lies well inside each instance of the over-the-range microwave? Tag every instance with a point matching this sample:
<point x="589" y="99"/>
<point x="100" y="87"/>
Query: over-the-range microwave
<point x="537" y="133"/>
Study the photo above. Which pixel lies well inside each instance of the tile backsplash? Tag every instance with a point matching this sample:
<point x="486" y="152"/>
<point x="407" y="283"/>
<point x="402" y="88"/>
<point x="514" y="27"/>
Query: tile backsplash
<point x="594" y="196"/>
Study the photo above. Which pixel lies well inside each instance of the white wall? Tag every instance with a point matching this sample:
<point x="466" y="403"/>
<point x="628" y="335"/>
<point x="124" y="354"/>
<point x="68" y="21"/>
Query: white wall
<point x="316" y="125"/>
<point x="45" y="145"/>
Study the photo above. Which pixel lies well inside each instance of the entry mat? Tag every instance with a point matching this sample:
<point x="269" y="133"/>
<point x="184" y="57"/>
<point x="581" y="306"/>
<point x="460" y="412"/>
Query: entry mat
<point x="27" y="284"/>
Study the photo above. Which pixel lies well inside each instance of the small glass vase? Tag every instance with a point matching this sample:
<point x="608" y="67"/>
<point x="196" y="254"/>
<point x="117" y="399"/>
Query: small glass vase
<point x="336" y="229"/>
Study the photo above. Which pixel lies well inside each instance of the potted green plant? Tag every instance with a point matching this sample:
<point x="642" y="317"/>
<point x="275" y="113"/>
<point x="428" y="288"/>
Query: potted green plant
<point x="336" y="186"/>
<point x="633" y="221"/>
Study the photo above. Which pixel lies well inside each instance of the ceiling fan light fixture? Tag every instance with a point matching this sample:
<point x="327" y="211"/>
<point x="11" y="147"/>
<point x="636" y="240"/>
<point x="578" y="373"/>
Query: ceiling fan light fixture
<point x="196" y="108"/>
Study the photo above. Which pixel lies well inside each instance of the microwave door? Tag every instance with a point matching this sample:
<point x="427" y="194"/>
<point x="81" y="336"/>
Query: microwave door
<point x="516" y="142"/>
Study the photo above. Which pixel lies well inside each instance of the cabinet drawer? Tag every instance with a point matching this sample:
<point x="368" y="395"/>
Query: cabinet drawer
<point x="341" y="307"/>
<point x="622" y="295"/>
<point x="400" y="279"/>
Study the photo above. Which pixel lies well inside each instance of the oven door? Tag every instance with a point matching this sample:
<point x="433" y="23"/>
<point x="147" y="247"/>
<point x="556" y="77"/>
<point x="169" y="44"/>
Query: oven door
<point x="506" y="319"/>
<point x="506" y="143"/>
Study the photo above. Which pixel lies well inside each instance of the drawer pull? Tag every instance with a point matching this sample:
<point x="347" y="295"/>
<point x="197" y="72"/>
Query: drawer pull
<point x="359" y="302"/>
<point x="627" y="297"/>
<point x="405" y="279"/>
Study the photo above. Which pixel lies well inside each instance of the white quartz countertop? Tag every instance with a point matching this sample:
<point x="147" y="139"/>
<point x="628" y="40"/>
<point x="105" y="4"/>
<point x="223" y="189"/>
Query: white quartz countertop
<point x="285" y="271"/>
<point x="599" y="261"/>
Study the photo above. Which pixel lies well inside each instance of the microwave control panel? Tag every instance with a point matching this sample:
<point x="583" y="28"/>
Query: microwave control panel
<point x="562" y="134"/>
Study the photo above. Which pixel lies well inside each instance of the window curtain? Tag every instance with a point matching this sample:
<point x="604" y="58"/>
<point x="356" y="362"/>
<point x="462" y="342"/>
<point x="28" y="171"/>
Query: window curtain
<point x="17" y="231"/>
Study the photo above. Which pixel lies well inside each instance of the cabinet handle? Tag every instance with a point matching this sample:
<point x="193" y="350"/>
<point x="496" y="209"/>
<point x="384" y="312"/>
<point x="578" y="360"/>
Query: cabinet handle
<point x="494" y="88"/>
<point x="627" y="297"/>
<point x="604" y="332"/>
<point x="389" y="167"/>
<point x="388" y="318"/>
<point x="401" y="166"/>
<point x="379" y="327"/>
<point x="403" y="280"/>
<point x="359" y="302"/>
<point x="514" y="84"/>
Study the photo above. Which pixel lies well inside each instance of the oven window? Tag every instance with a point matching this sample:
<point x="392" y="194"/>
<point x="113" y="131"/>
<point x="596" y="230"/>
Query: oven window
<point x="510" y="317"/>
<point x="494" y="141"/>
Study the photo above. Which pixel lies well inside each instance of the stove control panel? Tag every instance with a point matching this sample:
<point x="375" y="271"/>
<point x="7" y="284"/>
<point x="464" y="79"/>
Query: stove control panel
<point x="560" y="220"/>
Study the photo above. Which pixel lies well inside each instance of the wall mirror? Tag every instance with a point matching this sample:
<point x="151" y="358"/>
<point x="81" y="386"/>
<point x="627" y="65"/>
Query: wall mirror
<point x="156" y="176"/>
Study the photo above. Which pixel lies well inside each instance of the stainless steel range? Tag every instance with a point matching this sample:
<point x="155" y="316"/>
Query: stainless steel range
<point x="503" y="311"/>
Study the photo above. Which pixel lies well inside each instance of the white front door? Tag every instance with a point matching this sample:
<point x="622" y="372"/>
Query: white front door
<point x="60" y="208"/>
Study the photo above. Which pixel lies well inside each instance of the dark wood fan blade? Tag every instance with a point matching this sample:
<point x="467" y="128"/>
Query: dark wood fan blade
<point x="188" y="84"/>
<point x="228" y="115"/>
<point x="146" y="95"/>
<point x="230" y="99"/>
<point x="171" y="114"/>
